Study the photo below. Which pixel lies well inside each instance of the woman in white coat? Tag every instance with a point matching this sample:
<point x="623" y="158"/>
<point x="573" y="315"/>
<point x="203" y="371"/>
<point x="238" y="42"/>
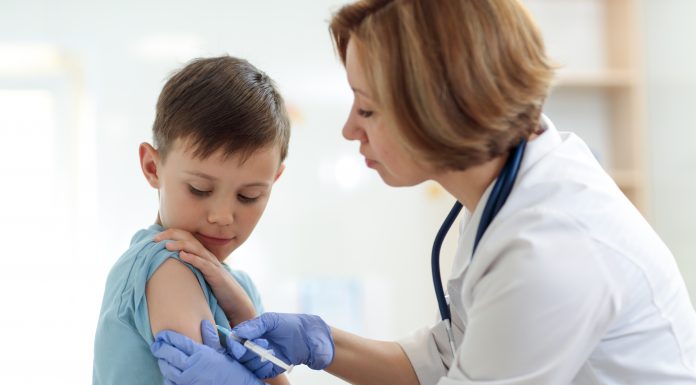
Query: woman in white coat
<point x="568" y="285"/>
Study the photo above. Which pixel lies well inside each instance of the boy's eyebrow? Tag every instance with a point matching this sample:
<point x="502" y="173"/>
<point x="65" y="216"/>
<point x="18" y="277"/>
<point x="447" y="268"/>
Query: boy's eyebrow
<point x="214" y="179"/>
<point x="257" y="184"/>
<point x="201" y="175"/>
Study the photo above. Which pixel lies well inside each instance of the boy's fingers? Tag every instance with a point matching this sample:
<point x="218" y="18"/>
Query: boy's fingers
<point x="193" y="247"/>
<point x="190" y="247"/>
<point x="166" y="234"/>
<point x="199" y="262"/>
<point x="183" y="240"/>
<point x="176" y="245"/>
<point x="174" y="234"/>
<point x="193" y="259"/>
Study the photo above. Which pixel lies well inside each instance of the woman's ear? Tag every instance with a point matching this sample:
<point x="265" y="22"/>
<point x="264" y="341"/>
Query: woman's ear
<point x="281" y="168"/>
<point x="149" y="163"/>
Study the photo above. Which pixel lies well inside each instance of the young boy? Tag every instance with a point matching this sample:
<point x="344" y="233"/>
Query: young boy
<point x="221" y="134"/>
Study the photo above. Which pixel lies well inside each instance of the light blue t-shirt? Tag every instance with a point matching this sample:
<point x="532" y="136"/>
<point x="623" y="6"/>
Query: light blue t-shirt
<point x="122" y="342"/>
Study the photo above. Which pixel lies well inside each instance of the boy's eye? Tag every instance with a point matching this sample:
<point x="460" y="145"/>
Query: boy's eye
<point x="364" y="113"/>
<point x="247" y="199"/>
<point x="198" y="193"/>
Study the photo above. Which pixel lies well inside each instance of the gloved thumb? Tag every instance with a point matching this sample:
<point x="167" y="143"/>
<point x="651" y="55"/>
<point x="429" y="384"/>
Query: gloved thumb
<point x="210" y="336"/>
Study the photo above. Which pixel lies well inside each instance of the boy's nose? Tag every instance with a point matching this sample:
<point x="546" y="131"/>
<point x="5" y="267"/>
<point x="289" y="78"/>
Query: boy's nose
<point x="222" y="215"/>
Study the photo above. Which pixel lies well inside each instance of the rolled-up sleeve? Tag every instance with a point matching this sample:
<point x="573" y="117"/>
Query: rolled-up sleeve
<point x="429" y="351"/>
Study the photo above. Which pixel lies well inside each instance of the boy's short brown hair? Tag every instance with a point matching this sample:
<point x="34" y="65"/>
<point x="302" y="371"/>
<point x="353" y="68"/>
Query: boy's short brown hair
<point x="460" y="81"/>
<point x="221" y="103"/>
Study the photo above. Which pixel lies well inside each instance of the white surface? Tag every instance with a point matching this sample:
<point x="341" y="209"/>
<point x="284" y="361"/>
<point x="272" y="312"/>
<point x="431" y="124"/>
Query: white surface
<point x="671" y="96"/>
<point x="573" y="32"/>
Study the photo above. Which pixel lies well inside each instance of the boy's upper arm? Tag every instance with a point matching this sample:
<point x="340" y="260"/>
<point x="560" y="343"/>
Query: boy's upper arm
<point x="175" y="300"/>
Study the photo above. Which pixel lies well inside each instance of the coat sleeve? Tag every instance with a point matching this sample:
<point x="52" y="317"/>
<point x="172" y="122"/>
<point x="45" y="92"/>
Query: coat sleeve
<point x="429" y="351"/>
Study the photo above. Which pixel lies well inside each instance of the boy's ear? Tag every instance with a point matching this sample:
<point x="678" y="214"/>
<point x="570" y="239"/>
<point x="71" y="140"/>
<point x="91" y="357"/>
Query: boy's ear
<point x="149" y="162"/>
<point x="281" y="168"/>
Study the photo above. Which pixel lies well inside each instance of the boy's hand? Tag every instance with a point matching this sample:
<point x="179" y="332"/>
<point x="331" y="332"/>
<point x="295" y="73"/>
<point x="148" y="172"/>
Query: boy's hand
<point x="231" y="297"/>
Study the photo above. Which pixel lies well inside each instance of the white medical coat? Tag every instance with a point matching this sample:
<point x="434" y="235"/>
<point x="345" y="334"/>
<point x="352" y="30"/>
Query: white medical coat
<point x="569" y="285"/>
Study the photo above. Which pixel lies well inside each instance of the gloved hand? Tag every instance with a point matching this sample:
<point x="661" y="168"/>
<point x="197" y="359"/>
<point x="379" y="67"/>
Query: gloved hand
<point x="294" y="338"/>
<point x="261" y="368"/>
<point x="182" y="361"/>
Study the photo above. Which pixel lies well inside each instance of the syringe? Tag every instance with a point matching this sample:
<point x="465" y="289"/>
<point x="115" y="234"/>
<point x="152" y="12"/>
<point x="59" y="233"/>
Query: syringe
<point x="258" y="350"/>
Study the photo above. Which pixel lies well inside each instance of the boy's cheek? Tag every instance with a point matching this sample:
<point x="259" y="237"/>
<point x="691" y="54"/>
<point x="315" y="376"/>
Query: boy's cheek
<point x="179" y="211"/>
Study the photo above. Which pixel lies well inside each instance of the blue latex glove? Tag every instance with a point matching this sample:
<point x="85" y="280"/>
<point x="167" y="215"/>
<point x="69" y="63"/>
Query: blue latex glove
<point x="182" y="361"/>
<point x="294" y="338"/>
<point x="261" y="368"/>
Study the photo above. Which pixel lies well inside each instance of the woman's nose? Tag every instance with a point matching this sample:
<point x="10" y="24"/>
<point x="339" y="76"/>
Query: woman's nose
<point x="351" y="130"/>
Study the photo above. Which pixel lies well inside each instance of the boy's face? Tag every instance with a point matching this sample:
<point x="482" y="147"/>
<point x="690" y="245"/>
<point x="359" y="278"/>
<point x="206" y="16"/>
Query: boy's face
<point x="218" y="200"/>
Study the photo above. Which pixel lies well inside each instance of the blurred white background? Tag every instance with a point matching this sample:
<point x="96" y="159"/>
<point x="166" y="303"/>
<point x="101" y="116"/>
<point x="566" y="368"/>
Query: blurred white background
<point x="78" y="85"/>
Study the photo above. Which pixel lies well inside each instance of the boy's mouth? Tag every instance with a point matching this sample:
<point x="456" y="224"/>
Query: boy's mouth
<point x="213" y="240"/>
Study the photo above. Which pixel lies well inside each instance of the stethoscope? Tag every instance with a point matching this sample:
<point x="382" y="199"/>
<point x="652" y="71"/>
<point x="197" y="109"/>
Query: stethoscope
<point x="499" y="194"/>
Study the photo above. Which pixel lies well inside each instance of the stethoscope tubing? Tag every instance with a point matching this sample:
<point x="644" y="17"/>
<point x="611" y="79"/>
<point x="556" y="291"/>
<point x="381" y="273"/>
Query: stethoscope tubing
<point x="501" y="191"/>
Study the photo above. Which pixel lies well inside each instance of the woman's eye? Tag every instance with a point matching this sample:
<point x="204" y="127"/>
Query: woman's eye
<point x="247" y="199"/>
<point x="364" y="113"/>
<point x="198" y="193"/>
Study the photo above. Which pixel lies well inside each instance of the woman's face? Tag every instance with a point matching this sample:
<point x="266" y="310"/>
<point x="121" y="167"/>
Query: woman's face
<point x="378" y="143"/>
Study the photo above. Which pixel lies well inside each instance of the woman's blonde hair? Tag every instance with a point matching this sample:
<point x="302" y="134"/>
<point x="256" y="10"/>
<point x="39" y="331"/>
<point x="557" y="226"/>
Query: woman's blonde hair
<point x="462" y="81"/>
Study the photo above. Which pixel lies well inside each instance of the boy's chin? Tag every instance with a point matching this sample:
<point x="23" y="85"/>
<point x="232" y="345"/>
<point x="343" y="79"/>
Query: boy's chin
<point x="222" y="254"/>
<point x="222" y="258"/>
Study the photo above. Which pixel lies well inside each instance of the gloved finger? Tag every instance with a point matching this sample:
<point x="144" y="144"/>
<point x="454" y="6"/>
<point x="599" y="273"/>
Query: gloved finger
<point x="207" y="367"/>
<point x="261" y="368"/>
<point x="265" y="370"/>
<point x="242" y="375"/>
<point x="262" y="342"/>
<point x="256" y="363"/>
<point x="249" y="355"/>
<point x="210" y="336"/>
<point x="257" y="327"/>
<point x="179" y="341"/>
<point x="170" y="354"/>
<point x="168" y="371"/>
<point x="235" y="349"/>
